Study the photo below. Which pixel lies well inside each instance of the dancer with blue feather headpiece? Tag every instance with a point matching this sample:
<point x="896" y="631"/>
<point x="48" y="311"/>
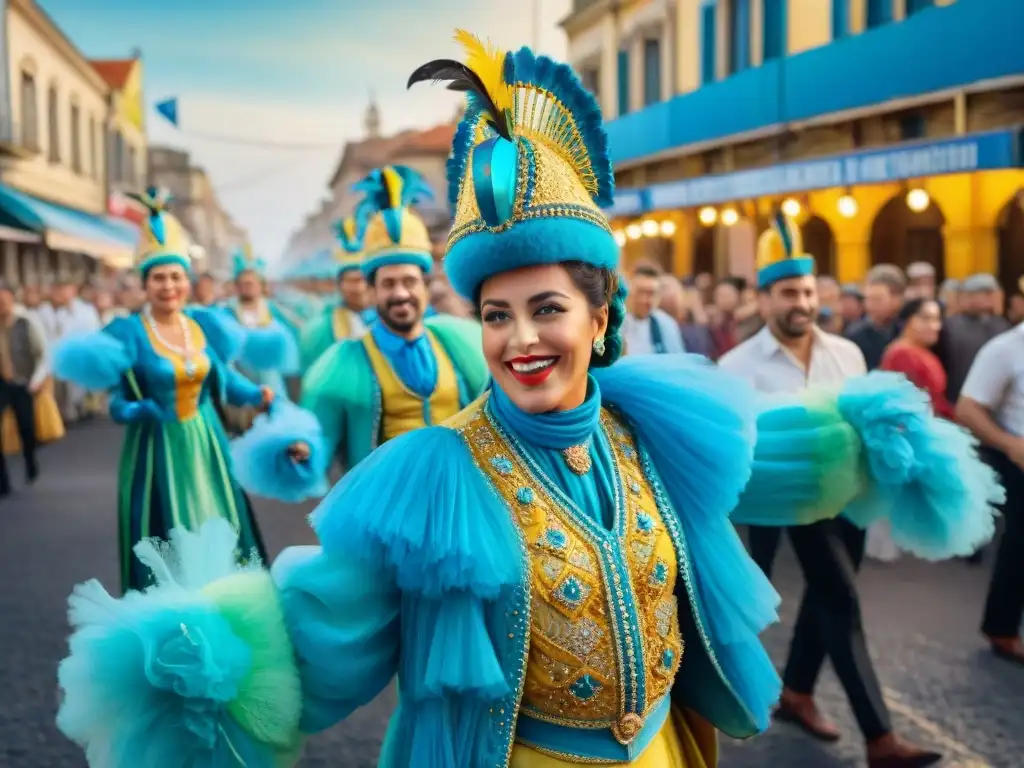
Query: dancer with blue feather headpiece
<point x="349" y="317"/>
<point x="531" y="567"/>
<point x="271" y="354"/>
<point x="165" y="368"/>
<point x="406" y="372"/>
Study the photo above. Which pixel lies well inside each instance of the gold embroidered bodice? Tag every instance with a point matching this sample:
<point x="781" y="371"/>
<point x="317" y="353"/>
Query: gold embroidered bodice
<point x="605" y="643"/>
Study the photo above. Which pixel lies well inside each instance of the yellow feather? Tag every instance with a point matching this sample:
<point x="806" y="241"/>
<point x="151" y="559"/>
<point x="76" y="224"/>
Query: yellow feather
<point x="349" y="225"/>
<point x="769" y="248"/>
<point x="487" y="63"/>
<point x="394" y="182"/>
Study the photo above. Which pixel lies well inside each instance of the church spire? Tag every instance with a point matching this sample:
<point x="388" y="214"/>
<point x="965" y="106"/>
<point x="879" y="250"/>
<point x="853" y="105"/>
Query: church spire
<point x="372" y="119"/>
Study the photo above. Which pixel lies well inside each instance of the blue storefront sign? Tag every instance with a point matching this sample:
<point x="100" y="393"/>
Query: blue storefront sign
<point x="973" y="152"/>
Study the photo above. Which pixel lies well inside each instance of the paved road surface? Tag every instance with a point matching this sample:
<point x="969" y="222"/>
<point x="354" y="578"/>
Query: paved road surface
<point x="922" y="621"/>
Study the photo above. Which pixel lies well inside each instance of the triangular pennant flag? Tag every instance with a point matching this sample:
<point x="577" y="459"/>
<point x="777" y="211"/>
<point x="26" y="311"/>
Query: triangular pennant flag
<point x="169" y="109"/>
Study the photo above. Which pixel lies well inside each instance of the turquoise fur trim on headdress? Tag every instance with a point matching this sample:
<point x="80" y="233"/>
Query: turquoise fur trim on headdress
<point x="162" y="239"/>
<point x="780" y="253"/>
<point x="242" y="261"/>
<point x="394" y="234"/>
<point x="529" y="171"/>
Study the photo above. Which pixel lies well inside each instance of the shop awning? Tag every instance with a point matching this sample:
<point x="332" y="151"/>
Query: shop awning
<point x="67" y="229"/>
<point x="989" y="150"/>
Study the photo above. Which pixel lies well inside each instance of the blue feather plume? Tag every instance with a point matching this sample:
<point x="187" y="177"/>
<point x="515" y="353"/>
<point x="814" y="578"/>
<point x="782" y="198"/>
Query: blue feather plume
<point x="782" y="227"/>
<point x="93" y="361"/>
<point x="270" y="348"/>
<point x="260" y="457"/>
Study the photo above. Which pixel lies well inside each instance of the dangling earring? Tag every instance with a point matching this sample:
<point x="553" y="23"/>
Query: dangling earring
<point x="599" y="345"/>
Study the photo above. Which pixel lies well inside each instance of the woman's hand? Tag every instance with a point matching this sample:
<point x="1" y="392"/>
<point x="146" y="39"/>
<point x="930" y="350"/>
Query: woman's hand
<point x="299" y="452"/>
<point x="268" y="398"/>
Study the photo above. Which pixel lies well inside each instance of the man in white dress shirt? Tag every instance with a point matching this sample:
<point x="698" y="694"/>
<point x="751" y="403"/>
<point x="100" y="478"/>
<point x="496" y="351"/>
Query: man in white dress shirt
<point x="70" y="316"/>
<point x="647" y="329"/>
<point x="991" y="405"/>
<point x="789" y="354"/>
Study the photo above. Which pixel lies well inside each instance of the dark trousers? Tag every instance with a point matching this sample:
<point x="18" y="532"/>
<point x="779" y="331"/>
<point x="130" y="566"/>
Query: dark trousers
<point x="829" y="621"/>
<point x="19" y="400"/>
<point x="1004" y="608"/>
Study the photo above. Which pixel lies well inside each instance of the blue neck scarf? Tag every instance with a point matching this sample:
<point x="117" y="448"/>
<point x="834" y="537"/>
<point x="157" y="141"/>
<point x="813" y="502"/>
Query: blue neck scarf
<point x="556" y="430"/>
<point x="413" y="361"/>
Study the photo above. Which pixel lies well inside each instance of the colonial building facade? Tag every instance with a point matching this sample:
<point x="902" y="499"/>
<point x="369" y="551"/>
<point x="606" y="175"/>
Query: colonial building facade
<point x="885" y="145"/>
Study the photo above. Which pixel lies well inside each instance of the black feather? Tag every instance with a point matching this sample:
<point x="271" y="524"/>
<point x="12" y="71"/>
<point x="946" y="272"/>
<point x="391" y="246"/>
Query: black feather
<point x="461" y="79"/>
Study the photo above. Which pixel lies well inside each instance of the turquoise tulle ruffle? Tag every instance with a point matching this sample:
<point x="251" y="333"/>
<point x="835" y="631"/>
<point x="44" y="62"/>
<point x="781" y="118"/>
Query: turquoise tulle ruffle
<point x="807" y="463"/>
<point x="924" y="473"/>
<point x="196" y="672"/>
<point x="703" y="463"/>
<point x="272" y="347"/>
<point x="93" y="361"/>
<point x="260" y="457"/>
<point x="420" y="505"/>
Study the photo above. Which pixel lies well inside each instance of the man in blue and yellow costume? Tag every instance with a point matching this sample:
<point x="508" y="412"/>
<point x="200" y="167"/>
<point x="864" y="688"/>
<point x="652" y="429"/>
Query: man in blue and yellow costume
<point x="406" y="372"/>
<point x="352" y="314"/>
<point x="553" y="574"/>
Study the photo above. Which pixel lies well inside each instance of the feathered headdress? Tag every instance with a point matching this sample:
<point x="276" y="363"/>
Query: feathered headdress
<point x="529" y="170"/>
<point x="162" y="239"/>
<point x="394" y="233"/>
<point x="349" y="233"/>
<point x="244" y="261"/>
<point x="780" y="252"/>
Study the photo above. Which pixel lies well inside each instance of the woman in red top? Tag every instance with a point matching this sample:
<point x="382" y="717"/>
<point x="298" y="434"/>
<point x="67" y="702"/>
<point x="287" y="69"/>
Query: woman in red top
<point x="911" y="355"/>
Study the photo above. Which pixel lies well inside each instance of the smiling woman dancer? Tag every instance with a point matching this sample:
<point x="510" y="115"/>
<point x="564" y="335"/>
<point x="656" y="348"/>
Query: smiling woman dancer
<point x="535" y="570"/>
<point x="174" y="467"/>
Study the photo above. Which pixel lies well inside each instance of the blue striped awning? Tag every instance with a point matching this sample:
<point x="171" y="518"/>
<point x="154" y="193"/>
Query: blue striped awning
<point x="67" y="229"/>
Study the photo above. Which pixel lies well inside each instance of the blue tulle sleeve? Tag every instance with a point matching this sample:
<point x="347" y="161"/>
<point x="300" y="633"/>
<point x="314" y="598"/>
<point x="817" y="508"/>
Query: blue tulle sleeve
<point x="271" y="348"/>
<point x="703" y="462"/>
<point x="807" y="463"/>
<point x="95" y="361"/>
<point x="261" y="457"/>
<point x="343" y="616"/>
<point x="872" y="450"/>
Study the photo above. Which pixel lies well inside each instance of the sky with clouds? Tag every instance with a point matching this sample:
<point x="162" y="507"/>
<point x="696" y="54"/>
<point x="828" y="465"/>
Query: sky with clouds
<point x="296" y="72"/>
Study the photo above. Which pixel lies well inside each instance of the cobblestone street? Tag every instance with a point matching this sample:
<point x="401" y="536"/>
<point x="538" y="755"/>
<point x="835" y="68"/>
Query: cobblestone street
<point x="943" y="689"/>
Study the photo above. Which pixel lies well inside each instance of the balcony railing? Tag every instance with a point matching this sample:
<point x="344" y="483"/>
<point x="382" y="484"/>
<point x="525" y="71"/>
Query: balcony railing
<point x="13" y="142"/>
<point x="896" y="61"/>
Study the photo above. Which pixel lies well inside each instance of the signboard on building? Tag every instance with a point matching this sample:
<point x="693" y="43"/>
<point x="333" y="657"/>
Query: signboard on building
<point x="964" y="154"/>
<point x="120" y="206"/>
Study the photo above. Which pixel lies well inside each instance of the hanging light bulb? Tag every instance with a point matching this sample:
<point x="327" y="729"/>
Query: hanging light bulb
<point x="649" y="228"/>
<point x="633" y="232"/>
<point x="791" y="207"/>
<point x="620" y="237"/>
<point x="918" y="200"/>
<point x="707" y="216"/>
<point x="848" y="206"/>
<point x="668" y="228"/>
<point x="730" y="217"/>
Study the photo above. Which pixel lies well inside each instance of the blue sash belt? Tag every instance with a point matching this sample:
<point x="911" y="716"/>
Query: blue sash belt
<point x="594" y="745"/>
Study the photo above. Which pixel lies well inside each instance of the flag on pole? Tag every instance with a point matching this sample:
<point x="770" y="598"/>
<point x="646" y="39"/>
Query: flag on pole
<point x="169" y="109"/>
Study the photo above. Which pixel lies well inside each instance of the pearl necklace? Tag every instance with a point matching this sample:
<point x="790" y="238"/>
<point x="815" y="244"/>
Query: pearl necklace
<point x="185" y="352"/>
